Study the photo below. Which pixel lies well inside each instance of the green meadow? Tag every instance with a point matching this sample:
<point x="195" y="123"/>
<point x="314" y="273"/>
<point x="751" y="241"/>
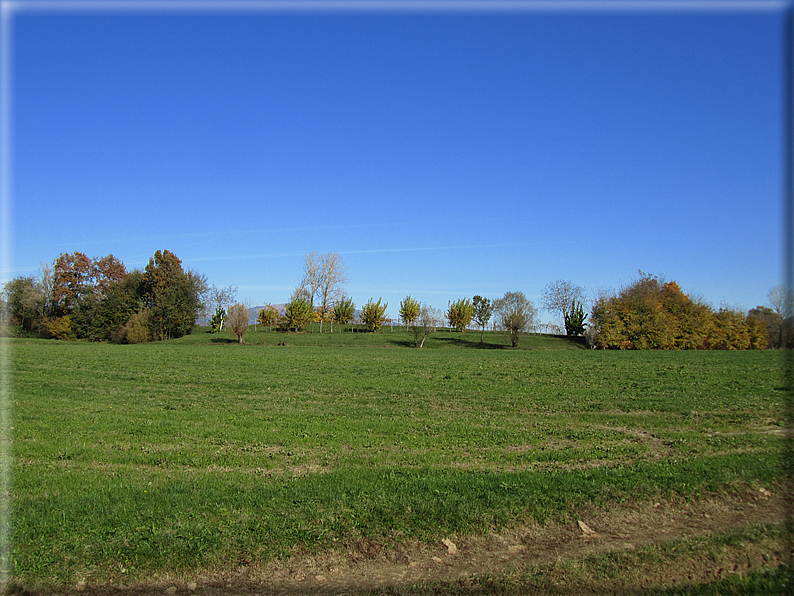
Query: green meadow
<point x="131" y="461"/>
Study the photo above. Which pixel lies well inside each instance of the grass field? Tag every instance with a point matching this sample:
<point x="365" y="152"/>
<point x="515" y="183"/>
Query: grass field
<point x="199" y="454"/>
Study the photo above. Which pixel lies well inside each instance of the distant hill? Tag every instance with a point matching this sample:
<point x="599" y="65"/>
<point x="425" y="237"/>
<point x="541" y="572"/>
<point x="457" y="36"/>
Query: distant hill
<point x="253" y="313"/>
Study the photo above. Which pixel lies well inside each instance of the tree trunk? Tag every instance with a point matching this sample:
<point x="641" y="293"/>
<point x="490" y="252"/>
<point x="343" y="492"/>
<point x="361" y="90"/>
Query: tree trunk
<point x="422" y="343"/>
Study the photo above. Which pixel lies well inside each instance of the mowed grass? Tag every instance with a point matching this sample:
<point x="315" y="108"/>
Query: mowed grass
<point x="199" y="454"/>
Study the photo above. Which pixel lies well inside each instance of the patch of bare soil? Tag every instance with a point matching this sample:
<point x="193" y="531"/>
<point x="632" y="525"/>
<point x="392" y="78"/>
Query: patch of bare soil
<point x="366" y="565"/>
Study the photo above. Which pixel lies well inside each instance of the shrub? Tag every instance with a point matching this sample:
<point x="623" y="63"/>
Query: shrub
<point x="59" y="327"/>
<point x="238" y="320"/>
<point x="514" y="315"/>
<point x="136" y="330"/>
<point x="428" y="321"/>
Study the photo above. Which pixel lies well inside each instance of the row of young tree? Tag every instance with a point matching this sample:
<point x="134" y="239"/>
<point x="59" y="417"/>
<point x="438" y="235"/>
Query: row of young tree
<point x="98" y="299"/>
<point x="649" y="313"/>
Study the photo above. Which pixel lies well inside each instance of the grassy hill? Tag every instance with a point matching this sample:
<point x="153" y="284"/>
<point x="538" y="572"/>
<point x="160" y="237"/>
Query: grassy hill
<point x="396" y="337"/>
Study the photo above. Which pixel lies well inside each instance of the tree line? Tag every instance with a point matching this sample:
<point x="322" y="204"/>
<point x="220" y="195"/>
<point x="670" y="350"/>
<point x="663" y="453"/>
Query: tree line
<point x="99" y="300"/>
<point x="77" y="297"/>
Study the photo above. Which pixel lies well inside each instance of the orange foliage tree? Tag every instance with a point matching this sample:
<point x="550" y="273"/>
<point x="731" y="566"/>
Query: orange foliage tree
<point x="652" y="314"/>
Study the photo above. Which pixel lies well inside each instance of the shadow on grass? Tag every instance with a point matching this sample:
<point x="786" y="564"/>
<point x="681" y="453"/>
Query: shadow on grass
<point x="401" y="343"/>
<point x="464" y="342"/>
<point x="223" y="340"/>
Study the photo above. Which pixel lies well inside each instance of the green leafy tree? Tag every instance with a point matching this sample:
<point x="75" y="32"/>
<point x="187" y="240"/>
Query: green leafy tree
<point x="122" y="300"/>
<point x="574" y="319"/>
<point x="483" y="310"/>
<point x="344" y="310"/>
<point x="25" y="301"/>
<point x="515" y="315"/>
<point x="460" y="313"/>
<point x="373" y="314"/>
<point x="409" y="310"/>
<point x="218" y="318"/>
<point x="172" y="296"/>
<point x="298" y="313"/>
<point x="238" y="319"/>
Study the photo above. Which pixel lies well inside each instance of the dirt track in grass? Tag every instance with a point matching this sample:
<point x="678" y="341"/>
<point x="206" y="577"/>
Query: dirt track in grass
<point x="554" y="551"/>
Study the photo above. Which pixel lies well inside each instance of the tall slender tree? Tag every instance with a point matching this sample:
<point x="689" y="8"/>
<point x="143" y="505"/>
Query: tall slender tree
<point x="483" y="309"/>
<point x="409" y="310"/>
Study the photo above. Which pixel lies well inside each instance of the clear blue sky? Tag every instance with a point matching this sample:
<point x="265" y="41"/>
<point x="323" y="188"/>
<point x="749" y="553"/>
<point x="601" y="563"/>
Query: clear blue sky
<point x="442" y="154"/>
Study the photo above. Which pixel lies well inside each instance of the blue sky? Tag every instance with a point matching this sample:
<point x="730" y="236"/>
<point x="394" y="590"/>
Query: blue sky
<point x="441" y="153"/>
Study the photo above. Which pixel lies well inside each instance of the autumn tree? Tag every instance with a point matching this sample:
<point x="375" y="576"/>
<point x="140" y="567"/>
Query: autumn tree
<point x="409" y="310"/>
<point x="73" y="275"/>
<point x="78" y="286"/>
<point x="323" y="316"/>
<point x="483" y="310"/>
<point x="426" y="323"/>
<point x="373" y="314"/>
<point x="344" y="310"/>
<point x="653" y="314"/>
<point x="77" y="279"/>
<point x="733" y="331"/>
<point x="515" y="315"/>
<point x="636" y="318"/>
<point x="460" y="313"/>
<point x="108" y="271"/>
<point x="238" y="319"/>
<point x="268" y="315"/>
<point x="298" y="313"/>
<point x="61" y="302"/>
